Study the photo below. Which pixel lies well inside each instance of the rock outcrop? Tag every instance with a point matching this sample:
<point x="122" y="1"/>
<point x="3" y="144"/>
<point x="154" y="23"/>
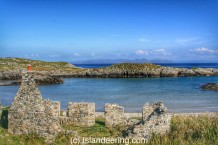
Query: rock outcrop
<point x="30" y="113"/>
<point x="10" y="67"/>
<point x="41" y="78"/>
<point x="210" y="86"/>
<point x="127" y="70"/>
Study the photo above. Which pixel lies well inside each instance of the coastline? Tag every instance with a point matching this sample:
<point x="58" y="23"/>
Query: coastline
<point x="10" y="69"/>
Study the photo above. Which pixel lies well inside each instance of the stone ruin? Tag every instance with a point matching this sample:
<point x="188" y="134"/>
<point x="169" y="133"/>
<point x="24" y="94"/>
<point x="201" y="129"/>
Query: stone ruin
<point x="114" y="115"/>
<point x="155" y="119"/>
<point x="30" y="113"/>
<point x="82" y="114"/>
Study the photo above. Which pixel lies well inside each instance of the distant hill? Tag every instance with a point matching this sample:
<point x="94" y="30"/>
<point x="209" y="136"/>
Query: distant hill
<point x="114" y="61"/>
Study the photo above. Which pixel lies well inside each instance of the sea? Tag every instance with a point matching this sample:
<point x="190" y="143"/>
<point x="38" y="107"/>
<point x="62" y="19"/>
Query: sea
<point x="179" y="65"/>
<point x="179" y="94"/>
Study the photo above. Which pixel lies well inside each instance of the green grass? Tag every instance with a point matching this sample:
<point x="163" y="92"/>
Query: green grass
<point x="7" y="64"/>
<point x="17" y="64"/>
<point x="133" y="66"/>
<point x="201" y="130"/>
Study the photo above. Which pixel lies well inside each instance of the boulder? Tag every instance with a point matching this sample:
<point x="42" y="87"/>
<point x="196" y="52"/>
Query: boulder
<point x="210" y="86"/>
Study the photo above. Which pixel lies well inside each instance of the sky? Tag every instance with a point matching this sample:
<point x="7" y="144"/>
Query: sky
<point x="75" y="30"/>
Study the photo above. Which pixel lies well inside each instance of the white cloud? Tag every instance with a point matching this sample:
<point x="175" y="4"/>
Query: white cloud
<point x="161" y="51"/>
<point x="143" y="40"/>
<point x="203" y="50"/>
<point x="76" y="54"/>
<point x="141" y="52"/>
<point x="152" y="52"/>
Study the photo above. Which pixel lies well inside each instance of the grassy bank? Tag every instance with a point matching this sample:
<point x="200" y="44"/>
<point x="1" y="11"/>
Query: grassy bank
<point x="195" y="130"/>
<point x="200" y="130"/>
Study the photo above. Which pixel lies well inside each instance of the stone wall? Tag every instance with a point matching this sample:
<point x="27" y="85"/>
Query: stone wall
<point x="114" y="115"/>
<point x="82" y="113"/>
<point x="155" y="109"/>
<point x="30" y="113"/>
<point x="57" y="108"/>
<point x="155" y="119"/>
<point x="159" y="120"/>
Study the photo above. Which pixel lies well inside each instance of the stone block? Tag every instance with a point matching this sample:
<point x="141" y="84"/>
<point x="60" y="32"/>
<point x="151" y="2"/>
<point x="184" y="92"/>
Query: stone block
<point x="114" y="115"/>
<point x="82" y="113"/>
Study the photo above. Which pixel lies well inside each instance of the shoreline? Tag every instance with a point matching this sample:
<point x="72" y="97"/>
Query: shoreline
<point x="10" y="69"/>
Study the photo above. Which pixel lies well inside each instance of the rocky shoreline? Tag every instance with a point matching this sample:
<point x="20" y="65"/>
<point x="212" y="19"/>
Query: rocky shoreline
<point x="53" y="72"/>
<point x="14" y="79"/>
<point x="146" y="72"/>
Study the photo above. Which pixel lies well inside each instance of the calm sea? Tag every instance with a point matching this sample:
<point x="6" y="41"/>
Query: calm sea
<point x="180" y="94"/>
<point x="179" y="65"/>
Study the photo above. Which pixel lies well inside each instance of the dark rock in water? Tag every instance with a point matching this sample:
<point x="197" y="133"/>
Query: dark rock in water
<point x="210" y="86"/>
<point x="10" y="75"/>
<point x="45" y="80"/>
<point x="16" y="83"/>
<point x="49" y="80"/>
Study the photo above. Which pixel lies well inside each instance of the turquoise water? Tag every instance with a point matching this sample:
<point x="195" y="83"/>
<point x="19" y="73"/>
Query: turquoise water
<point x="181" y="94"/>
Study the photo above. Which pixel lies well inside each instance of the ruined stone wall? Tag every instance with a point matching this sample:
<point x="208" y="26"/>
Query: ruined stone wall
<point x="82" y="113"/>
<point x="56" y="108"/>
<point x="158" y="120"/>
<point x="114" y="115"/>
<point x="147" y="109"/>
<point x="155" y="119"/>
<point x="30" y="113"/>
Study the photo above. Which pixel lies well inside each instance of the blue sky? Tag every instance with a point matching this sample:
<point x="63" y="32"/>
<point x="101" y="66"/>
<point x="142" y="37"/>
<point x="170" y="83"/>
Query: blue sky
<point x="72" y="30"/>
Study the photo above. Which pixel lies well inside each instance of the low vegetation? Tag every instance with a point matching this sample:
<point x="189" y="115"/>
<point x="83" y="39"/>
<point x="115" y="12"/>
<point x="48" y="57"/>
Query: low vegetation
<point x="7" y="64"/>
<point x="133" y="66"/>
<point x="16" y="64"/>
<point x="192" y="130"/>
<point x="201" y="130"/>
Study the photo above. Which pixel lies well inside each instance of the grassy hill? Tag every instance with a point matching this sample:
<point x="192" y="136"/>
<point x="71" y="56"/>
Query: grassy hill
<point x="7" y="64"/>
